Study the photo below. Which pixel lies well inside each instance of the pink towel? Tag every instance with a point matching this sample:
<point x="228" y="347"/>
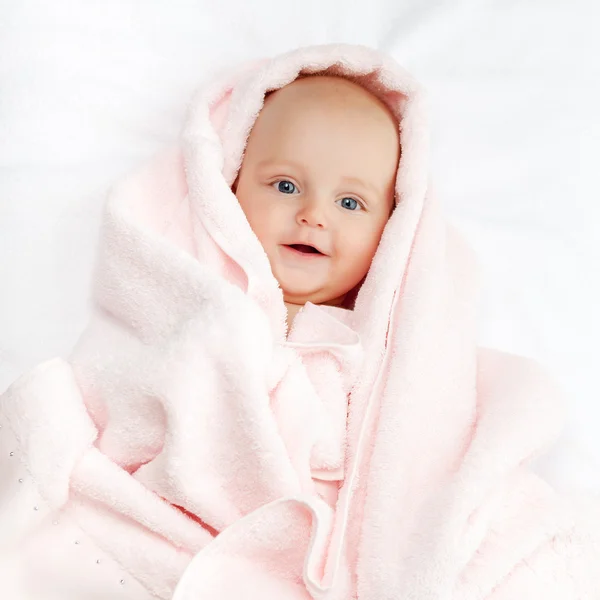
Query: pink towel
<point x="177" y="453"/>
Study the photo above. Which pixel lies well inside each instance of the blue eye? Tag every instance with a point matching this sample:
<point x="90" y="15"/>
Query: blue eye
<point x="350" y="204"/>
<point x="285" y="187"/>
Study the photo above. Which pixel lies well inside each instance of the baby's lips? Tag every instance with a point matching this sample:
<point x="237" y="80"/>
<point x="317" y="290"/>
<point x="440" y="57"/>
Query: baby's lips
<point x="310" y="245"/>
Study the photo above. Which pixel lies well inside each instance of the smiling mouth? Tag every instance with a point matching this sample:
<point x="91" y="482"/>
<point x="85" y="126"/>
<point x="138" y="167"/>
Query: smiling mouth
<point x="305" y="249"/>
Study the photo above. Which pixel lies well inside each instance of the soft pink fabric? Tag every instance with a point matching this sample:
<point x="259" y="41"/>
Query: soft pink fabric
<point x="188" y="446"/>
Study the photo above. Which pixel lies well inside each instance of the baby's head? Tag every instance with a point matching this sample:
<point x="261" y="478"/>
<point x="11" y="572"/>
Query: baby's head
<point x="317" y="185"/>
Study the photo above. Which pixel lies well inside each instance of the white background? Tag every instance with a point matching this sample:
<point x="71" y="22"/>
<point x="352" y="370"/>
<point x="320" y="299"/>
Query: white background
<point x="89" y="90"/>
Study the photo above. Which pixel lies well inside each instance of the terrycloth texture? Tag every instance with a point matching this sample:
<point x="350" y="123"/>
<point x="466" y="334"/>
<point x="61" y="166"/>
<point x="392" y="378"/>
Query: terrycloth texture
<point x="185" y="411"/>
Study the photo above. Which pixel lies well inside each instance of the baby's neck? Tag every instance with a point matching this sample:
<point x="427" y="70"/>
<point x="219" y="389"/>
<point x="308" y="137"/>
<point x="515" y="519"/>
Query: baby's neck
<point x="294" y="309"/>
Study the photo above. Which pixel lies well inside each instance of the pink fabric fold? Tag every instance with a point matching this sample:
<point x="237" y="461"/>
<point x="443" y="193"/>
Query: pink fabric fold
<point x="190" y="447"/>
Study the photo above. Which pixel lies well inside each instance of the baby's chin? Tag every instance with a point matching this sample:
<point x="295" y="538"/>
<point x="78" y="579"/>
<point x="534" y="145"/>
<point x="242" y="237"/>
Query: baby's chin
<point x="303" y="289"/>
<point x="300" y="296"/>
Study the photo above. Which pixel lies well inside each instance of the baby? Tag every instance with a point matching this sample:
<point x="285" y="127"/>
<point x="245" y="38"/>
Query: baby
<point x="184" y="424"/>
<point x="317" y="186"/>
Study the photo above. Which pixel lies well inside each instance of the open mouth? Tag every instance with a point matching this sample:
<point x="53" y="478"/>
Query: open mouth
<point x="304" y="249"/>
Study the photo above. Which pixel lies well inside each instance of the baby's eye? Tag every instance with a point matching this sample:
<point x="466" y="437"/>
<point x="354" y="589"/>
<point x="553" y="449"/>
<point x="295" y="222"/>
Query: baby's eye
<point x="350" y="204"/>
<point x="285" y="187"/>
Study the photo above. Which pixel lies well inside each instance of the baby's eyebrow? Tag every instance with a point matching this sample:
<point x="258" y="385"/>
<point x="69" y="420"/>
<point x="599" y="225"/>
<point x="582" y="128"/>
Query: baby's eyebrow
<point x="278" y="163"/>
<point x="364" y="184"/>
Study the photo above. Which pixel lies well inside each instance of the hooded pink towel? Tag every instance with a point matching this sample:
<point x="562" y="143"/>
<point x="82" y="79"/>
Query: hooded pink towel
<point x="179" y="452"/>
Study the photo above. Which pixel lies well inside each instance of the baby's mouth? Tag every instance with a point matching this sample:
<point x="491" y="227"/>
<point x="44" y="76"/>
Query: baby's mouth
<point x="305" y="249"/>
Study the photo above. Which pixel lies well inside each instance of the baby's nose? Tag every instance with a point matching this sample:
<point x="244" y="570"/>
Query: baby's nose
<point x="311" y="214"/>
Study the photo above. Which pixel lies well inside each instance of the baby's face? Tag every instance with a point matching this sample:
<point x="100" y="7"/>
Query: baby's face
<point x="317" y="185"/>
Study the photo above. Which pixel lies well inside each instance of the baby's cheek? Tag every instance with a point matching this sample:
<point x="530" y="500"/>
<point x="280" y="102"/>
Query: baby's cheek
<point x="362" y="243"/>
<point x="260" y="220"/>
<point x="357" y="256"/>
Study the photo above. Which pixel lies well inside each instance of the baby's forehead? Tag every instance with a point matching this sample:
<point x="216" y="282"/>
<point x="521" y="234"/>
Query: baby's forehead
<point x="328" y="92"/>
<point x="321" y="105"/>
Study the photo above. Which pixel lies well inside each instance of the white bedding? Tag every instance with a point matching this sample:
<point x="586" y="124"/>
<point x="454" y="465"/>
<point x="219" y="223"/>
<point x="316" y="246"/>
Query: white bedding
<point x="90" y="90"/>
